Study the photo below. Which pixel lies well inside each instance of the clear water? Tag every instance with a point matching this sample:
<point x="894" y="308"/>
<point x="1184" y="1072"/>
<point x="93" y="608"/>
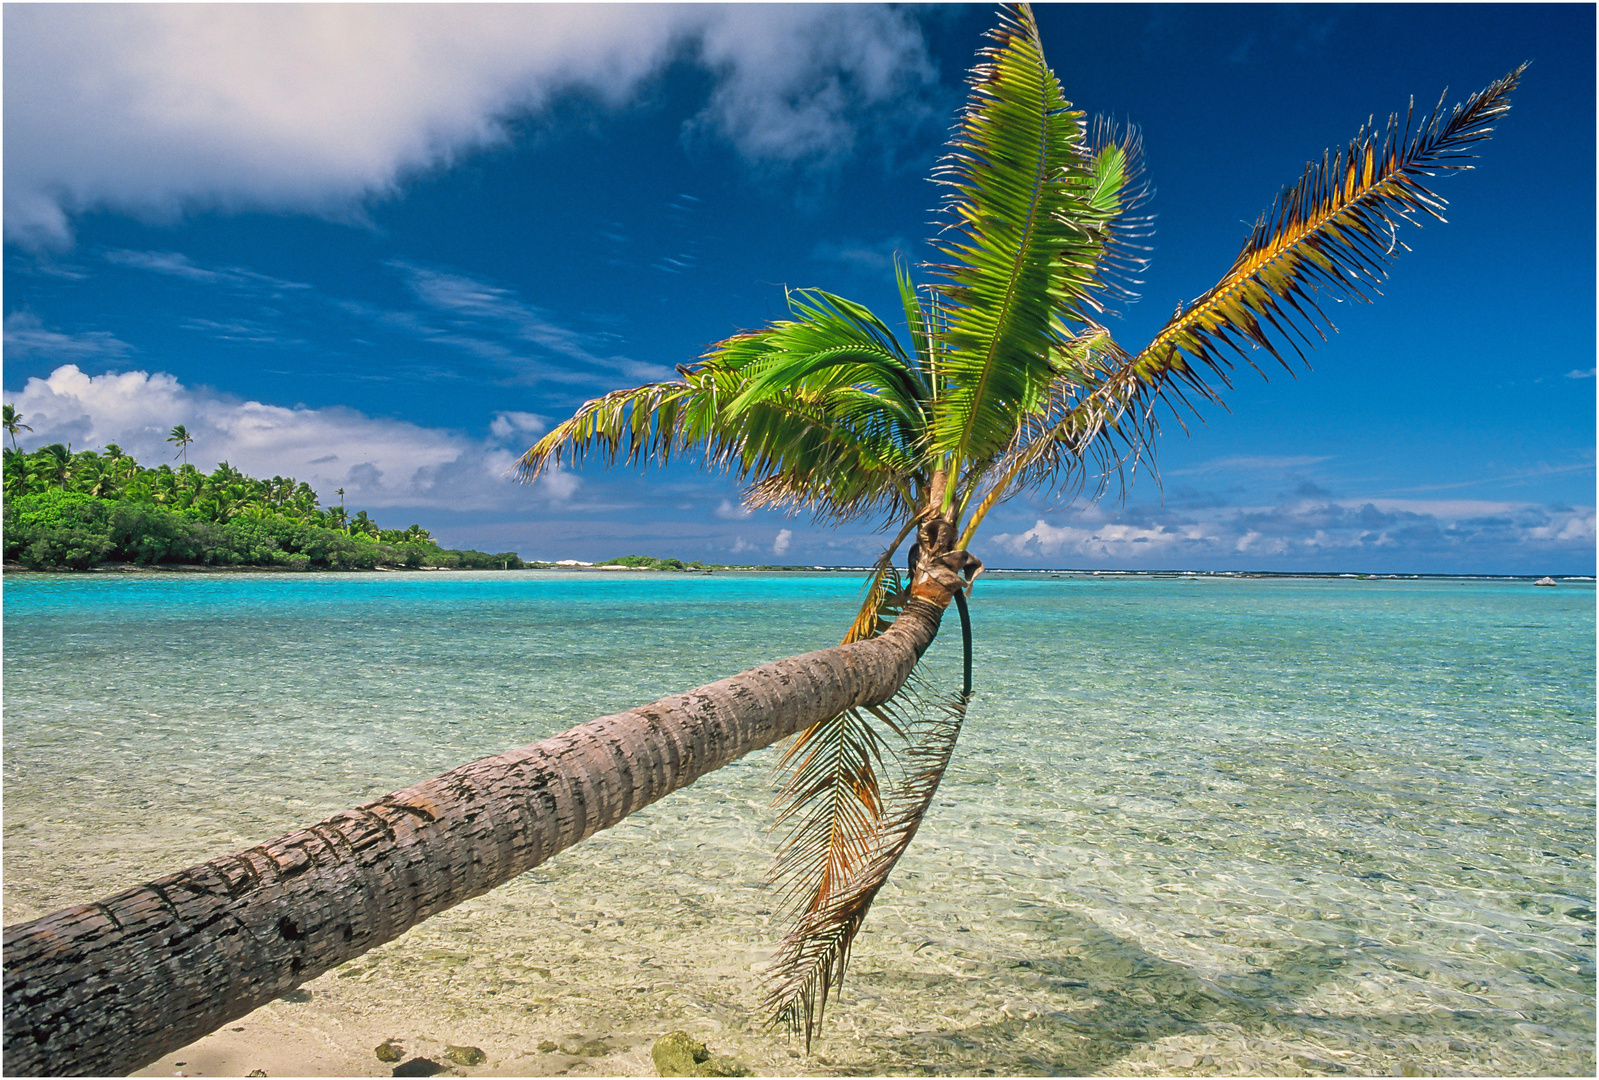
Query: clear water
<point x="1194" y="825"/>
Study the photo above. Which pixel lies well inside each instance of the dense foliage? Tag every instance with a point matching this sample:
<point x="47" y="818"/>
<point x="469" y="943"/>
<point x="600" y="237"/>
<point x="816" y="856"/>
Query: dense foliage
<point x="74" y="510"/>
<point x="650" y="562"/>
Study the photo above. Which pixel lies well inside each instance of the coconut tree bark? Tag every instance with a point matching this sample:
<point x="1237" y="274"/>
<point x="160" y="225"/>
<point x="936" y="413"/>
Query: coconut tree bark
<point x="108" y="987"/>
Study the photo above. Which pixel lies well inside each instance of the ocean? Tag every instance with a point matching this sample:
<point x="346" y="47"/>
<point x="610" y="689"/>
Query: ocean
<point x="1195" y="824"/>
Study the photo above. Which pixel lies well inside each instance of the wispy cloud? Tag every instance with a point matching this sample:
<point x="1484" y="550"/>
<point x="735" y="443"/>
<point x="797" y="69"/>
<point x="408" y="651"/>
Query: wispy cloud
<point x="487" y="319"/>
<point x="26" y="336"/>
<point x="727" y="511"/>
<point x="860" y="254"/>
<point x="1251" y="462"/>
<point x="241" y="331"/>
<point x="173" y="264"/>
<point x="1579" y="373"/>
<point x="157" y="109"/>
<point x="1511" y="478"/>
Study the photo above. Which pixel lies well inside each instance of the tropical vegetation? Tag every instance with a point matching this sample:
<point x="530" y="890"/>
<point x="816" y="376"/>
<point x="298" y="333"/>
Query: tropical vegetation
<point x="74" y="510"/>
<point x="1006" y="381"/>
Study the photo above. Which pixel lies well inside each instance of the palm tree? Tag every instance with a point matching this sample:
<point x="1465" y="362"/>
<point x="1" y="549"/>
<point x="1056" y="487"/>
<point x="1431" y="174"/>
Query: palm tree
<point x="1009" y="383"/>
<point x="19" y="473"/>
<point x="14" y="424"/>
<point x="56" y="463"/>
<point x="181" y="438"/>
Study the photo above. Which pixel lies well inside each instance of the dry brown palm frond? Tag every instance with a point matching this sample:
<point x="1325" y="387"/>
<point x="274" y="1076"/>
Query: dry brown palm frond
<point x="1335" y="231"/>
<point x="810" y="963"/>
<point x="832" y="800"/>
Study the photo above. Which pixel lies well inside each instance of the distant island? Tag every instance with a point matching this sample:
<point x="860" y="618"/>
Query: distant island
<point x="77" y="511"/>
<point x="91" y="509"/>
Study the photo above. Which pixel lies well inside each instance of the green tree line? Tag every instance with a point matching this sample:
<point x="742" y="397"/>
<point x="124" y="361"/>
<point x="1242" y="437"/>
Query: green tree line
<point x="74" y="510"/>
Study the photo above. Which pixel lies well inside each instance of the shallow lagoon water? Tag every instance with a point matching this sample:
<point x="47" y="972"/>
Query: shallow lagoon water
<point x="1194" y="825"/>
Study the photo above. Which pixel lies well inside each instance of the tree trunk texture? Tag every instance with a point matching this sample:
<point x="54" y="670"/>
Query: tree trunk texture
<point x="106" y="988"/>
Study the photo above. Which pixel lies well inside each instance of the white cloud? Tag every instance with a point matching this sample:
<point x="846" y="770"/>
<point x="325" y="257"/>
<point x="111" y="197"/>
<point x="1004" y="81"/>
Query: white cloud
<point x="379" y="462"/>
<point x="1315" y="533"/>
<point x="507" y="424"/>
<point x="1102" y="541"/>
<point x="1579" y="373"/>
<point x="794" y="78"/>
<point x="152" y="109"/>
<point x="729" y="512"/>
<point x="25" y="335"/>
<point x="780" y="545"/>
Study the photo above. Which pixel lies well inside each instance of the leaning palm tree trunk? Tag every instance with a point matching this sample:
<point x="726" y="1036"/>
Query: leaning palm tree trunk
<point x="109" y="987"/>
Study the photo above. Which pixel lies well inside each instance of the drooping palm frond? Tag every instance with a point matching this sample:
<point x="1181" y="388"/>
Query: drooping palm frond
<point x="810" y="963"/>
<point x="1022" y="246"/>
<point x="832" y="343"/>
<point x="822" y="413"/>
<point x="1336" y="230"/>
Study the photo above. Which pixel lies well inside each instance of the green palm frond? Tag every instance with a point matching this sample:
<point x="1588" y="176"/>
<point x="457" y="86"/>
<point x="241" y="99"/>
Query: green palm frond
<point x="625" y="425"/>
<point x="795" y="453"/>
<point x="1335" y="231"/>
<point x="810" y="963"/>
<point x="1023" y="245"/>
<point x="1121" y="233"/>
<point x="832" y="342"/>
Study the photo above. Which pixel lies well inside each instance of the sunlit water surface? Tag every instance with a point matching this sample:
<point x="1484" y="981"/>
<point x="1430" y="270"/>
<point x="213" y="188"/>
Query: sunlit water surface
<point x="1194" y="825"/>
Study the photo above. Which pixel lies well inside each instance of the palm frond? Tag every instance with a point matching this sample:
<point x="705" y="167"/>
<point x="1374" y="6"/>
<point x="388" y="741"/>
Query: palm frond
<point x="1098" y="420"/>
<point x="1023" y="247"/>
<point x="1335" y="231"/>
<point x="641" y="423"/>
<point x="832" y="342"/>
<point x="810" y="963"/>
<point x="884" y="596"/>
<point x="839" y="452"/>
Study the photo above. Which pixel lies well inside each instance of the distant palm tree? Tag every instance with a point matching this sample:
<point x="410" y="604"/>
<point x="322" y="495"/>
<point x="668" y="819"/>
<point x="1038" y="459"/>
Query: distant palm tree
<point x="57" y="463"/>
<point x="182" y="439"/>
<point x="14" y="424"/>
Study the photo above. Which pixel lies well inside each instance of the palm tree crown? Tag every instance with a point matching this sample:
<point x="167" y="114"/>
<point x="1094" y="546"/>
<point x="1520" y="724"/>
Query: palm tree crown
<point x="181" y="438"/>
<point x="1009" y="383"/>
<point x="14" y="424"/>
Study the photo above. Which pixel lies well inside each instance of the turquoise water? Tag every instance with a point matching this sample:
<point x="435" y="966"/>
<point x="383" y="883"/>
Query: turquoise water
<point x="1194" y="825"/>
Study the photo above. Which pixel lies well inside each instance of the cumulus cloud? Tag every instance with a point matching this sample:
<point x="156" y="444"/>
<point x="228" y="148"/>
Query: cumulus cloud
<point x="153" y="109"/>
<point x="379" y="462"/>
<point x="1316" y="533"/>
<point x="727" y="511"/>
<point x="784" y="538"/>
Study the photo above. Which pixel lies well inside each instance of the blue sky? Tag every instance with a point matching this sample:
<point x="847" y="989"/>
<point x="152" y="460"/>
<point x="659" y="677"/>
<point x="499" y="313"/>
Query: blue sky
<point x="382" y="248"/>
